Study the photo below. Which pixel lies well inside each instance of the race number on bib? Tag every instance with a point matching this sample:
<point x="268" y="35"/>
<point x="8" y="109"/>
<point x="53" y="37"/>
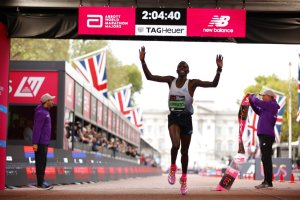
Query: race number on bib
<point x="176" y="103"/>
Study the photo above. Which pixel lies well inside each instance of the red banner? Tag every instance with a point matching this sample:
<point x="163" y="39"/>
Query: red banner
<point x="124" y="129"/>
<point x="82" y="172"/>
<point x="86" y="104"/>
<point x="105" y="116"/>
<point x="69" y="92"/>
<point x="118" y="125"/>
<point x="109" y="124"/>
<point x="106" y="21"/>
<point x="216" y="22"/>
<point x="99" y="113"/>
<point x="27" y="87"/>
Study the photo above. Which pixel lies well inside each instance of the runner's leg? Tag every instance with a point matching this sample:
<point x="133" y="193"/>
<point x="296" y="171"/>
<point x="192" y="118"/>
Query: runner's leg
<point x="185" y="144"/>
<point x="174" y="132"/>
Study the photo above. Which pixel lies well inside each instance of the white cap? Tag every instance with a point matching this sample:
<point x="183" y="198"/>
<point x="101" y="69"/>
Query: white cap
<point x="46" y="97"/>
<point x="268" y="92"/>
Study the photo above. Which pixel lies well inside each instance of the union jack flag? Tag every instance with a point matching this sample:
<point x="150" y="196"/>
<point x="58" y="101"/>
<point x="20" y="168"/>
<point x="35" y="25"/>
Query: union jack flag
<point x="298" y="113"/>
<point x="136" y="117"/>
<point x="251" y="128"/>
<point x="92" y="67"/>
<point x="281" y="100"/>
<point x="121" y="99"/>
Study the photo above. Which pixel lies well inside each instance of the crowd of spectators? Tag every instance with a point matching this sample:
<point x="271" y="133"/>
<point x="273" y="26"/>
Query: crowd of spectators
<point x="99" y="140"/>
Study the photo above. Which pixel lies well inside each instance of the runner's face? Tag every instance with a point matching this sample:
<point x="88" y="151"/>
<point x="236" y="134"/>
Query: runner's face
<point x="183" y="69"/>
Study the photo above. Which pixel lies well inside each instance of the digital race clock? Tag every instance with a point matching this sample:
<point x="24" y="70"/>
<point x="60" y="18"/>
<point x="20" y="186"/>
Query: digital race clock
<point x="161" y="16"/>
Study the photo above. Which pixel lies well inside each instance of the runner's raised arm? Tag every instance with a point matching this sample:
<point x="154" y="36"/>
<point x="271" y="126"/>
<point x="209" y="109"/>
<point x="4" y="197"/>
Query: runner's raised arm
<point x="214" y="83"/>
<point x="148" y="74"/>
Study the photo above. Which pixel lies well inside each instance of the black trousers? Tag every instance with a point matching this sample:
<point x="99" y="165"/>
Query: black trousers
<point x="265" y="144"/>
<point x="40" y="163"/>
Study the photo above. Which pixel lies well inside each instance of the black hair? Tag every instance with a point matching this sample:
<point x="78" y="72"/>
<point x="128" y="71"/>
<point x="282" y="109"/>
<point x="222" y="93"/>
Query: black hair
<point x="182" y="63"/>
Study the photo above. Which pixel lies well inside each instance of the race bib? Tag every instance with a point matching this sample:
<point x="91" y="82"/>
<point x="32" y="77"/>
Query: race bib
<point x="176" y="103"/>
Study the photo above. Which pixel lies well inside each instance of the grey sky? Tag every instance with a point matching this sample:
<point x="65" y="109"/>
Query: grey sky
<point x="242" y="63"/>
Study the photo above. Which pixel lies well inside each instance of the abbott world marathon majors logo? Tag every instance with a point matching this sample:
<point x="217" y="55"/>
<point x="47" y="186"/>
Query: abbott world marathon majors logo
<point x="28" y="87"/>
<point x="105" y="21"/>
<point x="217" y="25"/>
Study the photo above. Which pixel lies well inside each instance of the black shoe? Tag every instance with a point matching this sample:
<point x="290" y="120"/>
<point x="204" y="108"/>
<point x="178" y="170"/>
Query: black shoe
<point x="264" y="185"/>
<point x="45" y="187"/>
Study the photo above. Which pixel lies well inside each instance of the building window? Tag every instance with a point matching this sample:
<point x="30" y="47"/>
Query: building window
<point x="230" y="146"/>
<point x="161" y="129"/>
<point x="161" y="144"/>
<point x="218" y="130"/>
<point x="200" y="127"/>
<point x="149" y="129"/>
<point x="230" y="130"/>
<point x="218" y="146"/>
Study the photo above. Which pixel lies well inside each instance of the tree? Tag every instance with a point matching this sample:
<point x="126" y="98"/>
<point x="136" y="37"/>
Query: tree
<point x="283" y="86"/>
<point x="123" y="75"/>
<point x="53" y="50"/>
<point x="39" y="49"/>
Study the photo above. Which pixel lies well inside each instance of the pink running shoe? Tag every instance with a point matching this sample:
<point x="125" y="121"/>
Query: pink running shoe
<point x="171" y="177"/>
<point x="183" y="188"/>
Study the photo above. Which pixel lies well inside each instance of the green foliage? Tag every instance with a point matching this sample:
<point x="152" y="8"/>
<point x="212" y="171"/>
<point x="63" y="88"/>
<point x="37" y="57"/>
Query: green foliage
<point x="39" y="49"/>
<point x="82" y="47"/>
<point x="283" y="86"/>
<point x="53" y="50"/>
<point x="123" y="75"/>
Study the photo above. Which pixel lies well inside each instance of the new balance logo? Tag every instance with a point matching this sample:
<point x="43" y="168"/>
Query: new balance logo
<point x="219" y="21"/>
<point x="29" y="86"/>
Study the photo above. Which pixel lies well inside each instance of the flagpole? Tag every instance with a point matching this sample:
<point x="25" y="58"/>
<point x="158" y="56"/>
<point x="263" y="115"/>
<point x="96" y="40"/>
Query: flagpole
<point x="277" y="92"/>
<point x="290" y="113"/>
<point x="91" y="53"/>
<point x="122" y="88"/>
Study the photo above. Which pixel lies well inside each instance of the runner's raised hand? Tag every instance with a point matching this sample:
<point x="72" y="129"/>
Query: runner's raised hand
<point x="219" y="60"/>
<point x="142" y="54"/>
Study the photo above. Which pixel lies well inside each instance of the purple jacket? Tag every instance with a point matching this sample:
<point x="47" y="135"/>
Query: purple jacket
<point x="42" y="126"/>
<point x="267" y="112"/>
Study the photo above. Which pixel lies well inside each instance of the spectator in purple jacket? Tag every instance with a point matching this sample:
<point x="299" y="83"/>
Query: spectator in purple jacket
<point x="41" y="138"/>
<point x="267" y="109"/>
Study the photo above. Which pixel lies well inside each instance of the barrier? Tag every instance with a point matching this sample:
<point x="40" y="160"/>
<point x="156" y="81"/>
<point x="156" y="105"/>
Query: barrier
<point x="64" y="167"/>
<point x="282" y="168"/>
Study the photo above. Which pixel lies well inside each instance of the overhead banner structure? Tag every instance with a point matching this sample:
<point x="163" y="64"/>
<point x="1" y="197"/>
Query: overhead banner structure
<point x="190" y="22"/>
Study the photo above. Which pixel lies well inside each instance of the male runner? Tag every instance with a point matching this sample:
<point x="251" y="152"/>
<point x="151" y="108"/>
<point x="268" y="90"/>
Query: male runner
<point x="181" y="110"/>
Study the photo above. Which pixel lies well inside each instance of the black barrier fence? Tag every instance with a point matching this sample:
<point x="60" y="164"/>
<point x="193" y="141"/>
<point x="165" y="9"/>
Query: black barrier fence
<point x="281" y="166"/>
<point x="65" y="167"/>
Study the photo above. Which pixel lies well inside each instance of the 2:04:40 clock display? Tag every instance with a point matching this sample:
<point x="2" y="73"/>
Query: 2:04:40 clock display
<point x="161" y="15"/>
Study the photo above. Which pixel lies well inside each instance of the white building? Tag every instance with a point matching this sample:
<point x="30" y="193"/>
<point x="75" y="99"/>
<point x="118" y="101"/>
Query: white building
<point x="215" y="135"/>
